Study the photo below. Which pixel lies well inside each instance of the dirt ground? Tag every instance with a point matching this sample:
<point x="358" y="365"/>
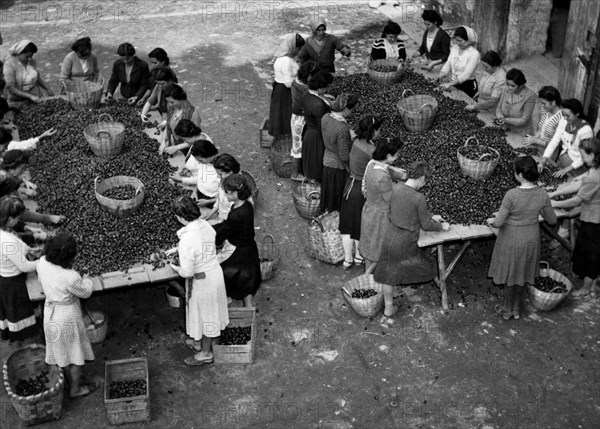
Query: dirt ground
<point x="424" y="369"/>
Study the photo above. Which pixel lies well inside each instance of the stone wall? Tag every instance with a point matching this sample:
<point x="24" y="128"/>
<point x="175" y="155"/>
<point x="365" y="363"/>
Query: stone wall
<point x="528" y="23"/>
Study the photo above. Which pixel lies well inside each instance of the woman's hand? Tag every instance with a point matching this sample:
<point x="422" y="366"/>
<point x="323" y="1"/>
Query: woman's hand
<point x="109" y="96"/>
<point x="34" y="98"/>
<point x="57" y="219"/>
<point x="527" y="140"/>
<point x="470" y="108"/>
<point x="47" y="134"/>
<point x="437" y="218"/>
<point x="176" y="178"/>
<point x="542" y="164"/>
<point x="499" y="120"/>
<point x="175" y="268"/>
<point x="445" y="226"/>
<point x="162" y="126"/>
<point x="171" y="251"/>
<point x="429" y="67"/>
<point x="145" y="118"/>
<point x="49" y="92"/>
<point x="446" y="86"/>
<point x="140" y="103"/>
<point x="490" y="221"/>
<point x="561" y="173"/>
<point x="161" y="148"/>
<point x="171" y="150"/>
<point x="131" y="101"/>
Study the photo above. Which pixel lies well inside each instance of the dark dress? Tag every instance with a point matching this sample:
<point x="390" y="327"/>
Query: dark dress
<point x="312" y="141"/>
<point x="440" y="48"/>
<point x="242" y="269"/>
<point x="586" y="254"/>
<point x="280" y="112"/>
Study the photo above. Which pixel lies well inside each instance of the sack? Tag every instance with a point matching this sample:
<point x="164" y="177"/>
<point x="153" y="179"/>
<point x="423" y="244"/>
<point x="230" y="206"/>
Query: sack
<point x="324" y="238"/>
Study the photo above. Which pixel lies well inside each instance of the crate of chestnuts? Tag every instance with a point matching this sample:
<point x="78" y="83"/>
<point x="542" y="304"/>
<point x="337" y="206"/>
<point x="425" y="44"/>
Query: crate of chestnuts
<point x="127" y="391"/>
<point x="238" y="339"/>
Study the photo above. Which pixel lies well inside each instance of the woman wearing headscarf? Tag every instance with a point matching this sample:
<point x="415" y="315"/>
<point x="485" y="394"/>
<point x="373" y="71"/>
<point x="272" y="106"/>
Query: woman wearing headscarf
<point x="462" y="62"/>
<point x="81" y="63"/>
<point x="321" y="47"/>
<point x="286" y="70"/>
<point x="23" y="81"/>
<point x="389" y="46"/>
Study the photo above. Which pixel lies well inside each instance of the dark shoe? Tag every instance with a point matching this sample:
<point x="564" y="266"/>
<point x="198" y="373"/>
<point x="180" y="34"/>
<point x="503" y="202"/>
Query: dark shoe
<point x="192" y="361"/>
<point x="500" y="311"/>
<point x="189" y="343"/>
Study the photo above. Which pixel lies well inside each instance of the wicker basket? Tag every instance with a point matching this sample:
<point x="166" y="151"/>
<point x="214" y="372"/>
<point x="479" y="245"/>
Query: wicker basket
<point x="281" y="158"/>
<point x="307" y="199"/>
<point x="270" y="257"/>
<point x="367" y="307"/>
<point x="481" y="168"/>
<point x="119" y="208"/>
<point x="324" y="238"/>
<point x="546" y="301"/>
<point x="84" y="94"/>
<point x="96" y="325"/>
<point x="417" y="111"/>
<point x="385" y="78"/>
<point x="253" y="186"/>
<point x="105" y="138"/>
<point x="29" y="362"/>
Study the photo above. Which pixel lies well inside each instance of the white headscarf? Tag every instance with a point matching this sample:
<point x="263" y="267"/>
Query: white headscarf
<point x="17" y="48"/>
<point x="287" y="46"/>
<point x="473" y="39"/>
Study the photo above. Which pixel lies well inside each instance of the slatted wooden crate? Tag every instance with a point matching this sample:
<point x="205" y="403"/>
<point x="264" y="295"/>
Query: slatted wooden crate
<point x="265" y="139"/>
<point x="132" y="409"/>
<point x="238" y="354"/>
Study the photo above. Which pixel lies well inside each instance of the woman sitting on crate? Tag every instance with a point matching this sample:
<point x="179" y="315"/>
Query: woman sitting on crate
<point x="179" y="108"/>
<point x="402" y="261"/>
<point x="130" y="74"/>
<point x="516" y="104"/>
<point x="389" y="47"/>
<point x="157" y="101"/>
<point x="242" y="268"/>
<point x="23" y="82"/>
<point x="462" y="62"/>
<point x="81" y="63"/>
<point x="492" y="83"/>
<point x="206" y="299"/>
<point x="436" y="42"/>
<point x="67" y="343"/>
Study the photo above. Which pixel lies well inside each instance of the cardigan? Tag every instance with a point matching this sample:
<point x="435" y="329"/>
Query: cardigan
<point x="462" y="64"/>
<point x="337" y="142"/>
<point x="440" y="49"/>
<point x="408" y="209"/>
<point x="326" y="57"/>
<point x="298" y="90"/>
<point x="286" y="69"/>
<point x="516" y="107"/>
<point x="13" y="76"/>
<point x="590" y="196"/>
<point x="378" y="50"/>
<point x="71" y="68"/>
<point x="138" y="82"/>
<point x="522" y="207"/>
<point x="13" y="258"/>
<point x="570" y="142"/>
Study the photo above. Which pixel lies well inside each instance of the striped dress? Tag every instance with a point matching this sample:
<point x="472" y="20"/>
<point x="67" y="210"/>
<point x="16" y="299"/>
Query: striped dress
<point x="548" y="124"/>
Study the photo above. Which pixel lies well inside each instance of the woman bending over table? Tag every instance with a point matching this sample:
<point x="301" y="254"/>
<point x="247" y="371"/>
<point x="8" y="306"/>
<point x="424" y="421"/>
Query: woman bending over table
<point x="178" y="108"/>
<point x="462" y="62"/>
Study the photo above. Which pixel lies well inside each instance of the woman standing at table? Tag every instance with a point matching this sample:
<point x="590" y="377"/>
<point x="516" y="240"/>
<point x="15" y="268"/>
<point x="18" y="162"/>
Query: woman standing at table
<point x="178" y="108"/>
<point x="551" y="115"/>
<point x="402" y="261"/>
<point x="462" y="62"/>
<point x="321" y="46"/>
<point x="315" y="107"/>
<point x="516" y="103"/>
<point x="389" y="46"/>
<point x="490" y="88"/>
<point x="81" y="63"/>
<point x="130" y="74"/>
<point x="436" y="42"/>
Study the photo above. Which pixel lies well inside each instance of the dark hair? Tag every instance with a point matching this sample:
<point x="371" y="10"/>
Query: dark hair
<point x="516" y="76"/>
<point x="299" y="41"/>
<point x="2" y="85"/>
<point x="227" y="163"/>
<point x="164" y="73"/>
<point x="389" y="146"/>
<point x="159" y="54"/>
<point x="61" y="249"/>
<point x="126" y="50"/>
<point x="5" y="135"/>
<point x="30" y="48"/>
<point x="462" y="33"/>
<point x="186" y="128"/>
<point x="4" y="107"/>
<point x="13" y="159"/>
<point x="573" y="105"/>
<point x="237" y="183"/>
<point x="391" y="28"/>
<point x="10" y="207"/>
<point x="8" y="185"/>
<point x="419" y="169"/>
<point x="185" y="208"/>
<point x="318" y="81"/>
<point x="492" y="58"/>
<point x="431" y="15"/>
<point x="591" y="146"/>
<point x="344" y="101"/>
<point x="367" y="127"/>
<point x="549" y="93"/>
<point x="82" y="44"/>
<point x="176" y="92"/>
<point x="527" y="166"/>
<point x="307" y="69"/>
<point x="204" y="149"/>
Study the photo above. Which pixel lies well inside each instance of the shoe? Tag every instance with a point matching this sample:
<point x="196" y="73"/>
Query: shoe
<point x="192" y="361"/>
<point x="554" y="244"/>
<point x="506" y="315"/>
<point x="298" y="178"/>
<point x="347" y="265"/>
<point x="394" y="311"/>
<point x="582" y="294"/>
<point x="516" y="314"/>
<point x="189" y="343"/>
<point x="87" y="389"/>
<point x="358" y="261"/>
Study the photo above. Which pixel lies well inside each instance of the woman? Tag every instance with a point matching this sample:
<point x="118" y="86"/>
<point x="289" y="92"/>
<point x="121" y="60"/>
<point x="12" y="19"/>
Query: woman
<point x="436" y="42"/>
<point x="81" y="63"/>
<point x="130" y="74"/>
<point x="225" y="165"/>
<point x="67" y="343"/>
<point x="462" y="62"/>
<point x="516" y="103"/>
<point x="157" y="101"/>
<point x="8" y="144"/>
<point x="17" y="319"/>
<point x="315" y="107"/>
<point x="402" y="261"/>
<point x="242" y="268"/>
<point x="490" y="88"/>
<point x="321" y="47"/>
<point x="586" y="255"/>
<point x="353" y="200"/>
<point x="23" y="81"/>
<point x="551" y="115"/>
<point x="377" y="189"/>
<point x="337" y="142"/>
<point x="286" y="70"/>
<point x="206" y="300"/>
<point x="179" y="108"/>
<point x="159" y="60"/>
<point x="389" y="46"/>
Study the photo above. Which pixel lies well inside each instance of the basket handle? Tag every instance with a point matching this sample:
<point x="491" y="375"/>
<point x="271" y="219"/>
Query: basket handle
<point x="264" y="242"/>
<point x="484" y="155"/>
<point x="285" y="163"/>
<point x="318" y="222"/>
<point x="313" y="192"/>
<point x="471" y="138"/>
<point x="99" y="134"/>
<point x="406" y="90"/>
<point x="345" y="291"/>
<point x="426" y="105"/>
<point x="138" y="191"/>
<point x="96" y="180"/>
<point x="101" y="82"/>
<point x="90" y="316"/>
<point x="557" y="287"/>
<point x="546" y="267"/>
<point x="102" y="115"/>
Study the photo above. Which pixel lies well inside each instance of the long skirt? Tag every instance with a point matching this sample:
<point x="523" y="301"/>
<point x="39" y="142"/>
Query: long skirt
<point x="280" y="113"/>
<point x="402" y="261"/>
<point x="516" y="255"/>
<point x="586" y="255"/>
<point x="332" y="188"/>
<point x="242" y="272"/>
<point x="67" y="342"/>
<point x="312" y="154"/>
<point x="353" y="202"/>
<point x="297" y="124"/>
<point x="206" y="306"/>
<point x="372" y="231"/>
<point x="17" y="319"/>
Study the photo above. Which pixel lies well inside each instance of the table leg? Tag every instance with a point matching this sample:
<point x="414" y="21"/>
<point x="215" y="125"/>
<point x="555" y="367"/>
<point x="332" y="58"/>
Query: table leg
<point x="441" y="280"/>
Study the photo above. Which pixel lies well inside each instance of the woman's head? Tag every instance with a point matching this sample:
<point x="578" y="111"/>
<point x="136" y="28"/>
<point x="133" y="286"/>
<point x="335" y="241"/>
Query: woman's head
<point x="5" y="137"/>
<point x="158" y="57"/>
<point x="14" y="161"/>
<point x="549" y="97"/>
<point x="419" y="171"/>
<point x="187" y="129"/>
<point x="387" y="150"/>
<point x="236" y="187"/>
<point x="527" y="167"/>
<point x="344" y="103"/>
<point x="185" y="208"/>
<point x="26" y="52"/>
<point x="226" y="165"/>
<point x="430" y="16"/>
<point x="391" y="31"/>
<point x="306" y="70"/>
<point x="11" y="208"/>
<point x="175" y="95"/>
<point x="319" y="31"/>
<point x="163" y="75"/>
<point x="590" y="152"/>
<point x="572" y="109"/>
<point x="9" y="185"/>
<point x="368" y="128"/>
<point x="490" y="60"/>
<point x="515" y="79"/>
<point x="204" y="151"/>
<point x="127" y="52"/>
<point x="83" y="47"/>
<point x="318" y="81"/>
<point x="61" y="250"/>
<point x="465" y="37"/>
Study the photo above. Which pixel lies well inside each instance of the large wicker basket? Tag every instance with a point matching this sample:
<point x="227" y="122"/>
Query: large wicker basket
<point x="281" y="158"/>
<point x="105" y="137"/>
<point x="307" y="199"/>
<point x="384" y="78"/>
<point x="324" y="238"/>
<point x="29" y="362"/>
<point x="119" y="208"/>
<point x="84" y="94"/>
<point x="367" y="307"/>
<point x="481" y="168"/>
<point x="546" y="301"/>
<point x="270" y="257"/>
<point x="417" y="111"/>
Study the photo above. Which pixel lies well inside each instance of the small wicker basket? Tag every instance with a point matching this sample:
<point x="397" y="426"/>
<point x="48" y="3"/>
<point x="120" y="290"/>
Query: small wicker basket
<point x="385" y="78"/>
<point x="119" y="208"/>
<point x="105" y="138"/>
<point x="367" y="307"/>
<point x="418" y="111"/>
<point x="546" y="301"/>
<point x="270" y="257"/>
<point x="281" y="158"/>
<point x="324" y="238"/>
<point x="307" y="199"/>
<point x="478" y="169"/>
<point x="96" y="325"/>
<point x="29" y="362"/>
<point x="84" y="94"/>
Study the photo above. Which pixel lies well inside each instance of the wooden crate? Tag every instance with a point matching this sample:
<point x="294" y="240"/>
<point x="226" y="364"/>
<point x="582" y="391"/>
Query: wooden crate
<point x="265" y="139"/>
<point x="238" y="354"/>
<point x="132" y="409"/>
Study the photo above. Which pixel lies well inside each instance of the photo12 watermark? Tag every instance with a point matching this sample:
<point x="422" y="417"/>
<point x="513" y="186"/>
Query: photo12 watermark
<point x="268" y="11"/>
<point x="28" y="12"/>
